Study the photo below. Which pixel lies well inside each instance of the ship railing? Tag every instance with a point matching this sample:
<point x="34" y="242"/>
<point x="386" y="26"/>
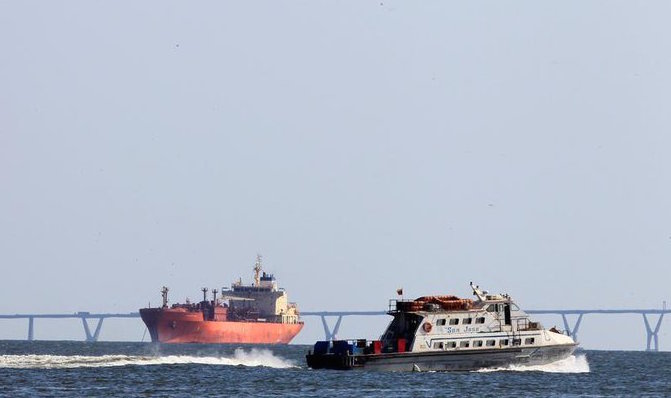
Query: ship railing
<point x="394" y="305"/>
<point x="522" y="324"/>
<point x="526" y="324"/>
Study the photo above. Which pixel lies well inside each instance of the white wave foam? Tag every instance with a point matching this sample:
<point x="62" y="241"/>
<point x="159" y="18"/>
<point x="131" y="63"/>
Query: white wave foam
<point x="240" y="357"/>
<point x="572" y="364"/>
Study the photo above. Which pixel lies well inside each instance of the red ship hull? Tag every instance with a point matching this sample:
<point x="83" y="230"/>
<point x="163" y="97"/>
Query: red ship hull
<point x="176" y="325"/>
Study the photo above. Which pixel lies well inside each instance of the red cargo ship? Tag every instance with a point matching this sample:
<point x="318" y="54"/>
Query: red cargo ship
<point x="259" y="313"/>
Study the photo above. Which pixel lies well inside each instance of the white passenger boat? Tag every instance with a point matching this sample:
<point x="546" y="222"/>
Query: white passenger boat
<point x="446" y="333"/>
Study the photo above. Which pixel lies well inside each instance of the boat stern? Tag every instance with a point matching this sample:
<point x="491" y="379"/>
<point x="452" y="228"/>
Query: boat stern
<point x="342" y="354"/>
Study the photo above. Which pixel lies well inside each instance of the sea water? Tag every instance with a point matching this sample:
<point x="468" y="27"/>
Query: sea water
<point x="78" y="369"/>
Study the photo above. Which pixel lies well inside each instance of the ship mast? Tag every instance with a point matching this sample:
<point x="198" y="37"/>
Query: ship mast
<point x="164" y="293"/>
<point x="257" y="271"/>
<point x="478" y="292"/>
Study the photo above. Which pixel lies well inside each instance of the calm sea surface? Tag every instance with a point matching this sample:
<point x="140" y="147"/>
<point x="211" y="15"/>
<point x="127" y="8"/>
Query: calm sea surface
<point x="77" y="369"/>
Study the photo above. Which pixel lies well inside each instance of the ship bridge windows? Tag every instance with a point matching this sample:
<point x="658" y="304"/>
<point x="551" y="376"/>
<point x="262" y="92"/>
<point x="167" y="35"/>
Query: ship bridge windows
<point x="493" y="308"/>
<point x="454" y="321"/>
<point x="480" y="319"/>
<point x="440" y="322"/>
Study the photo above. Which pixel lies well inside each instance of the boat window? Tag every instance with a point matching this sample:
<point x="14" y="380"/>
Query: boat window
<point x="440" y="322"/>
<point x="492" y="308"/>
<point x="504" y="341"/>
<point x="529" y="340"/>
<point x="491" y="343"/>
<point x="480" y="320"/>
<point x="514" y="307"/>
<point x="464" y="344"/>
<point x="454" y="321"/>
<point x="438" y="345"/>
<point x="451" y="344"/>
<point x="477" y="343"/>
<point x="467" y="321"/>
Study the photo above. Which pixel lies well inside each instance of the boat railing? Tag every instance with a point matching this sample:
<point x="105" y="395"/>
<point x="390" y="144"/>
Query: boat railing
<point x="524" y="324"/>
<point x="394" y="305"/>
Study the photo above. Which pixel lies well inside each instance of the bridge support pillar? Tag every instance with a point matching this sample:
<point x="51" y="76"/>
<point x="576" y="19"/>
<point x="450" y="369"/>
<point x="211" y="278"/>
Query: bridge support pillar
<point x="652" y="334"/>
<point x="92" y="337"/>
<point x="573" y="332"/>
<point x="31" y="330"/>
<point x="328" y="334"/>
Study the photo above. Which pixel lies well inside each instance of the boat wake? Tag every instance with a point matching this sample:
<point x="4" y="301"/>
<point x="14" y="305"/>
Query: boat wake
<point x="572" y="364"/>
<point x="240" y="357"/>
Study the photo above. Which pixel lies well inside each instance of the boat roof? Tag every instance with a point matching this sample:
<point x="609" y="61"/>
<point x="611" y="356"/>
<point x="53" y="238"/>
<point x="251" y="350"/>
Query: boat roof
<point x="448" y="303"/>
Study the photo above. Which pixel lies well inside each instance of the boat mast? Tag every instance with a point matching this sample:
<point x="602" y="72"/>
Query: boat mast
<point x="257" y="271"/>
<point x="477" y="292"/>
<point x="164" y="293"/>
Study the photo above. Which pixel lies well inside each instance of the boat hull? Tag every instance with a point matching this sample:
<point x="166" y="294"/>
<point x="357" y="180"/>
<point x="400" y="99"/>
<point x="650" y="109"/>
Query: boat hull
<point x="169" y="326"/>
<point x="463" y="360"/>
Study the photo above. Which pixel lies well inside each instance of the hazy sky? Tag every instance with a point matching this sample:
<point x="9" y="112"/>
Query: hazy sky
<point x="360" y="146"/>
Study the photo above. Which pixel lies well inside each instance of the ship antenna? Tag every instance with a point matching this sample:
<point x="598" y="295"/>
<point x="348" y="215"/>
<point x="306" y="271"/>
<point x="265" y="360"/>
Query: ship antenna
<point x="214" y="296"/>
<point x="257" y="270"/>
<point x="204" y="290"/>
<point x="478" y="292"/>
<point x="164" y="293"/>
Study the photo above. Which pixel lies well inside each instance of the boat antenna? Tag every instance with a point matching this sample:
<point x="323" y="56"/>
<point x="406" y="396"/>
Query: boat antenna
<point x="214" y="296"/>
<point x="257" y="271"/>
<point x="204" y="290"/>
<point x="164" y="294"/>
<point x="478" y="292"/>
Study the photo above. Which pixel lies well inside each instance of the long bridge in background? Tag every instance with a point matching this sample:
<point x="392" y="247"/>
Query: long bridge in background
<point x="652" y="343"/>
<point x="652" y="333"/>
<point x="84" y="316"/>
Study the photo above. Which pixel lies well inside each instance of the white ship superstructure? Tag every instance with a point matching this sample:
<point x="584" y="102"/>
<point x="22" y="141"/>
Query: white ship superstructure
<point x="449" y="323"/>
